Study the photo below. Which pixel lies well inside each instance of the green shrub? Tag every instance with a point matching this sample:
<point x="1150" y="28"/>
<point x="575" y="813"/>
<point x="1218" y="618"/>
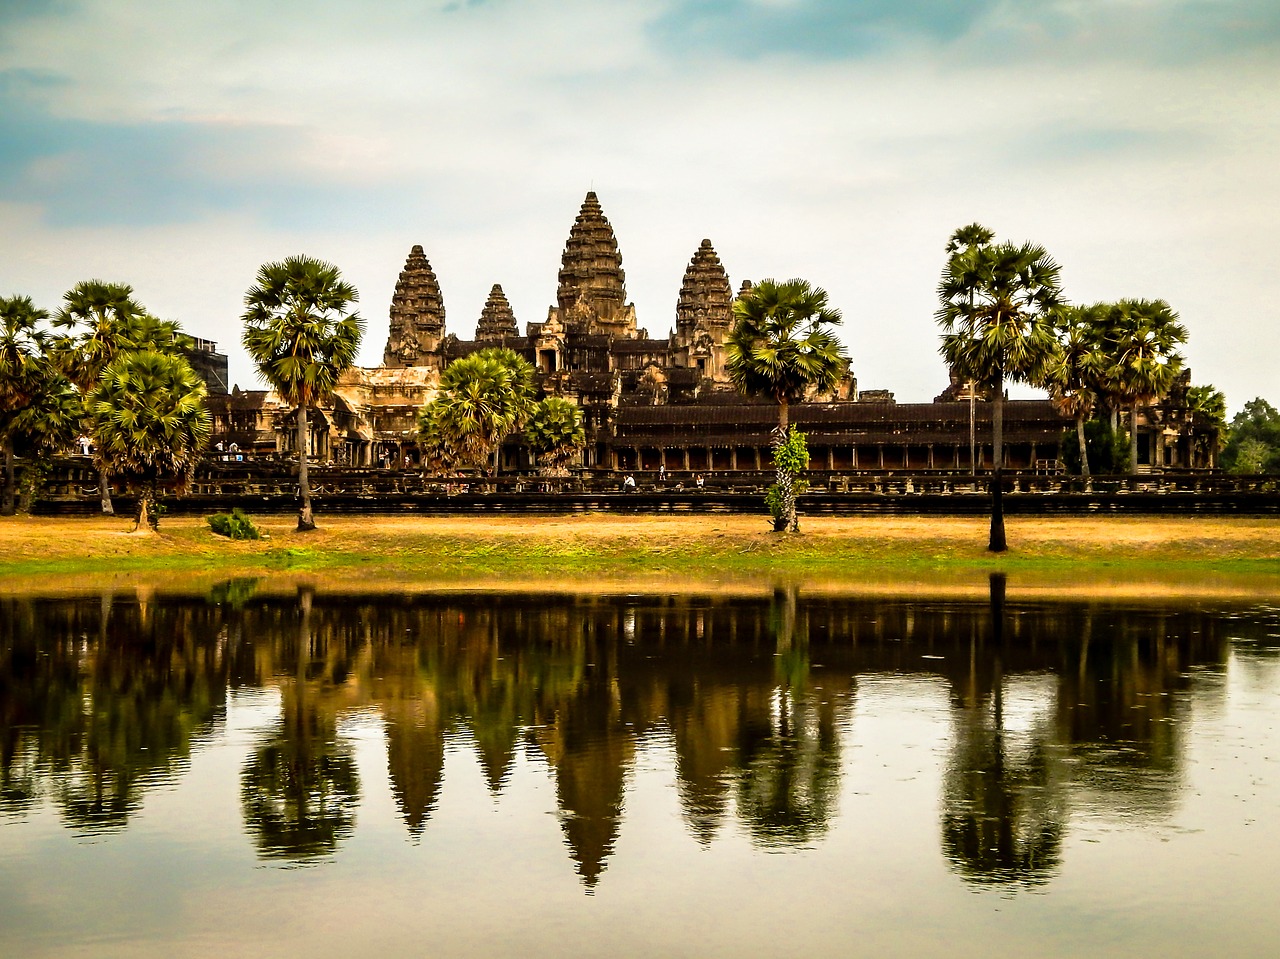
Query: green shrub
<point x="773" y="497"/>
<point x="234" y="524"/>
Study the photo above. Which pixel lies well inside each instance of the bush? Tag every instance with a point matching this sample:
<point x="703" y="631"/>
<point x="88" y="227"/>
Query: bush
<point x="234" y="525"/>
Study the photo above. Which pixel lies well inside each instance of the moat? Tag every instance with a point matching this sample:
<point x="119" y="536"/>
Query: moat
<point x="249" y="773"/>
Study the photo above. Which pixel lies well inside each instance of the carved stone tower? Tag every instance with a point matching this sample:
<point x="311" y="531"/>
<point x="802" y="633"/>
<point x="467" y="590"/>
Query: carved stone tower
<point x="417" y="315"/>
<point x="496" y="319"/>
<point x="704" y="313"/>
<point x="705" y="297"/>
<point x="592" y="294"/>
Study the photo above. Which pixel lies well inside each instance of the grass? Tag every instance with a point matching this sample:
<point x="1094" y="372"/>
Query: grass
<point x="1190" y="556"/>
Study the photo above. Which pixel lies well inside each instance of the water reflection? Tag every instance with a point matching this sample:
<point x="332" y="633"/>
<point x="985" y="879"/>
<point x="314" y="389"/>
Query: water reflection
<point x="102" y="701"/>
<point x="1052" y="708"/>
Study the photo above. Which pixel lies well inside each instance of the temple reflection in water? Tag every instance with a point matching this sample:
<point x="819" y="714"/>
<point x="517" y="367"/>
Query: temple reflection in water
<point x="1051" y="706"/>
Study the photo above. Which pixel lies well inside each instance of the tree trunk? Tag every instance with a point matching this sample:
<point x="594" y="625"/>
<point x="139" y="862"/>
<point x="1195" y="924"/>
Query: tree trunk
<point x="305" y="520"/>
<point x="9" y="505"/>
<point x="146" y="519"/>
<point x="104" y="484"/>
<point x="1084" y="448"/>
<point x="788" y="521"/>
<point x="1133" y="439"/>
<point x="996" y="542"/>
<point x="973" y="434"/>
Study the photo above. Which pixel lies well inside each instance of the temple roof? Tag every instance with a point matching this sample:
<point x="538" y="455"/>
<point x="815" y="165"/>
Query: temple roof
<point x="900" y="423"/>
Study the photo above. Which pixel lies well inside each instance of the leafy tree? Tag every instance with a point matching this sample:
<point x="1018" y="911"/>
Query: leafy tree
<point x="1253" y="440"/>
<point x="997" y="304"/>
<point x="301" y="335"/>
<point x="484" y="398"/>
<point x="1073" y="370"/>
<point x="781" y="347"/>
<point x="1141" y="341"/>
<point x="149" y="424"/>
<point x="554" y="432"/>
<point x="23" y="344"/>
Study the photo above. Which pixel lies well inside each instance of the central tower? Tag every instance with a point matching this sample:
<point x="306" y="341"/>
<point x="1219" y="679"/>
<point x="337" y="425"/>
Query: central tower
<point x="592" y="293"/>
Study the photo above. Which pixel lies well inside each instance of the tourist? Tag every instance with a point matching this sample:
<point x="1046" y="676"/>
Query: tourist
<point x="662" y="473"/>
<point x="85" y="446"/>
<point x="628" y="483"/>
<point x="699" y="481"/>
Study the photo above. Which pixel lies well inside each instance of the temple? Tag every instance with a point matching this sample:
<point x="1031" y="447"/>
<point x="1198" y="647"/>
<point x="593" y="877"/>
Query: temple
<point x="660" y="402"/>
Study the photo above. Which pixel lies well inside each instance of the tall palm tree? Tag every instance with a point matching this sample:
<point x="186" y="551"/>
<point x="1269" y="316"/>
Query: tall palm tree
<point x="554" y="431"/>
<point x="1074" y="368"/>
<point x="23" y="342"/>
<point x="1142" y="341"/>
<point x="969" y="237"/>
<point x="781" y="346"/>
<point x="995" y="315"/>
<point x="150" y="424"/>
<point x="484" y="398"/>
<point x="301" y="336"/>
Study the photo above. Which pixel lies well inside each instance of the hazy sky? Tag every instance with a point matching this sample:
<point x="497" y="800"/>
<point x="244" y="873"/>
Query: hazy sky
<point x="178" y="145"/>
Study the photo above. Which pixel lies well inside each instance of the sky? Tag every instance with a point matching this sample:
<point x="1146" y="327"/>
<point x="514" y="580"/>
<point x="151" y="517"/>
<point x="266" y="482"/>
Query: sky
<point x="177" y="146"/>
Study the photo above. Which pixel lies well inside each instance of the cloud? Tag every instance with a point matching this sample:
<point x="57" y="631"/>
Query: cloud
<point x="1166" y="31"/>
<point x="177" y="146"/>
<point x="81" y="172"/>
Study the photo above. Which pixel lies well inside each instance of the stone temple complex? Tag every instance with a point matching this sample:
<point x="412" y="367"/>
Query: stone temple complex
<point x="651" y="402"/>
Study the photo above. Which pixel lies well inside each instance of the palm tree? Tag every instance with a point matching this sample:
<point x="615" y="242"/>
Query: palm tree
<point x="102" y="321"/>
<point x="995" y="315"/>
<point x="23" y="344"/>
<point x="555" y="432"/>
<point x="149" y="424"/>
<point x="1074" y="368"/>
<point x="1208" y="408"/>
<point x="1142" y="341"/>
<point x="484" y="398"/>
<point x="301" y="336"/>
<point x="47" y="425"/>
<point x="780" y="347"/>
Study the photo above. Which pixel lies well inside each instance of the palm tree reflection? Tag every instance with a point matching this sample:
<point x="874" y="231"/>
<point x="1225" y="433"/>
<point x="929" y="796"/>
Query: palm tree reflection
<point x="788" y="745"/>
<point x="299" y="789"/>
<point x="1003" y="807"/>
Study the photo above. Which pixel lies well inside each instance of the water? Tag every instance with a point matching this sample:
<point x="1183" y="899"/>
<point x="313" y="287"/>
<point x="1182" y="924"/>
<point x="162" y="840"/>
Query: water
<point x="752" y="775"/>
